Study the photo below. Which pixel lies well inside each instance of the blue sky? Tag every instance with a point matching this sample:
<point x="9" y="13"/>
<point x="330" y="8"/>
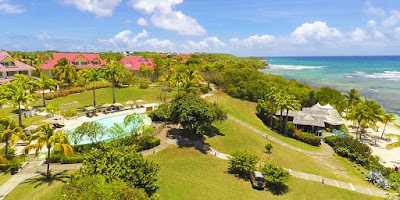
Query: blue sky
<point x="240" y="27"/>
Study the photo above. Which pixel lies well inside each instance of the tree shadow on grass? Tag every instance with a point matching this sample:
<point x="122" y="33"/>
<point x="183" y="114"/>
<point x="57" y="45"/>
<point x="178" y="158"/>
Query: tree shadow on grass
<point x="42" y="179"/>
<point x="277" y="189"/>
<point x="187" y="140"/>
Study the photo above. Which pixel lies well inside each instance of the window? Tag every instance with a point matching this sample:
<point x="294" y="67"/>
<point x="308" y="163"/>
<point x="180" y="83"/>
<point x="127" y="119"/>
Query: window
<point x="11" y="74"/>
<point x="96" y="63"/>
<point x="8" y="64"/>
<point x="75" y="63"/>
<point x="24" y="72"/>
<point x="84" y="63"/>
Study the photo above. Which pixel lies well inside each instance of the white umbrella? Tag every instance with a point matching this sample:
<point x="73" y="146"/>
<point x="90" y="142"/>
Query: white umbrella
<point x="117" y="105"/>
<point x="31" y="128"/>
<point x="90" y="108"/>
<point x="107" y="105"/>
<point x="129" y="103"/>
<point x="139" y="101"/>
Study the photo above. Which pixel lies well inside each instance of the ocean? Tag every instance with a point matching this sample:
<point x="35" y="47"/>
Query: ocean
<point x="375" y="77"/>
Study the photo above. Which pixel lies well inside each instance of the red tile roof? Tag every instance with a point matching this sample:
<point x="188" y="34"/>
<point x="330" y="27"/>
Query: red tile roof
<point x="134" y="62"/>
<point x="19" y="66"/>
<point x="49" y="64"/>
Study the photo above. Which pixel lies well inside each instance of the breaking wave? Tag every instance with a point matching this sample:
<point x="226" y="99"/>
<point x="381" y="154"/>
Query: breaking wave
<point x="386" y="75"/>
<point x="294" y="67"/>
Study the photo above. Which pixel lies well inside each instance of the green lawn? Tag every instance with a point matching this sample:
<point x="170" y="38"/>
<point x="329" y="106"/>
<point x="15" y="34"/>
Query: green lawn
<point x="38" y="188"/>
<point x="188" y="174"/>
<point x="246" y="112"/>
<point x="332" y="166"/>
<point x="103" y="95"/>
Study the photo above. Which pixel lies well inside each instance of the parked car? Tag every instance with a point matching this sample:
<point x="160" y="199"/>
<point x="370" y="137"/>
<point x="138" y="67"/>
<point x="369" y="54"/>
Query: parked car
<point x="257" y="179"/>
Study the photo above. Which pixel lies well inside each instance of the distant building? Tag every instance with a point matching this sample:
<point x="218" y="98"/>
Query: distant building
<point x="133" y="63"/>
<point x="80" y="60"/>
<point x="10" y="66"/>
<point x="317" y="117"/>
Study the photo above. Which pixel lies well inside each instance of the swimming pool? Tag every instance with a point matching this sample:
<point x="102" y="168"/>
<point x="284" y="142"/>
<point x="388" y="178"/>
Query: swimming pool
<point x="108" y="122"/>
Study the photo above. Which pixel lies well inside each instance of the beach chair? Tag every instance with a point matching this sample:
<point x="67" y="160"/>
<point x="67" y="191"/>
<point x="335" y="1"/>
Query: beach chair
<point x="89" y="115"/>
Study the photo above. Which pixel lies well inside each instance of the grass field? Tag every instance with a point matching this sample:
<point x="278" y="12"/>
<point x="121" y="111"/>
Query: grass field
<point x="103" y="95"/>
<point x="332" y="166"/>
<point x="245" y="111"/>
<point x="188" y="174"/>
<point x="38" y="188"/>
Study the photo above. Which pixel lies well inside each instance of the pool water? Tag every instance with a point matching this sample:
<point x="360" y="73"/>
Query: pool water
<point x="108" y="122"/>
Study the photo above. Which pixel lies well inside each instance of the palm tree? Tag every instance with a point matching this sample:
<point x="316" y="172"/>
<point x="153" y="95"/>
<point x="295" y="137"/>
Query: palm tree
<point x="281" y="105"/>
<point x="272" y="96"/>
<point x="65" y="72"/>
<point x="19" y="91"/>
<point x="291" y="104"/>
<point x="366" y="113"/>
<point x="9" y="131"/>
<point x="91" y="76"/>
<point x="46" y="137"/>
<point x="114" y="72"/>
<point x="352" y="98"/>
<point x="46" y="83"/>
<point x="387" y="118"/>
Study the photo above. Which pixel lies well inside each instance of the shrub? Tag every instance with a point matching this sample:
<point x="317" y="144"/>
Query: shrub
<point x="274" y="175"/>
<point x="351" y="148"/>
<point x="77" y="158"/>
<point x="242" y="163"/>
<point x="69" y="113"/>
<point x="162" y="113"/>
<point x="268" y="147"/>
<point x="205" y="89"/>
<point x="308" y="138"/>
<point x="144" y="83"/>
<point x="148" y="142"/>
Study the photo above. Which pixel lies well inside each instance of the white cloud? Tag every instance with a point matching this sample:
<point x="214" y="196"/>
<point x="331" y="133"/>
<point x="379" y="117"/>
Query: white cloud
<point x="101" y="8"/>
<point x="207" y="43"/>
<point x="164" y="15"/>
<point x="371" y="9"/>
<point x="125" y="41"/>
<point x="358" y="35"/>
<point x="253" y="41"/>
<point x="7" y="8"/>
<point x="393" y="19"/>
<point x="44" y="36"/>
<point x="142" y="22"/>
<point x="315" y="32"/>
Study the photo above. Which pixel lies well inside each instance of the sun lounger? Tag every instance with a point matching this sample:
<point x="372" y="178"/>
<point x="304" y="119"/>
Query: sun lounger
<point x="89" y="115"/>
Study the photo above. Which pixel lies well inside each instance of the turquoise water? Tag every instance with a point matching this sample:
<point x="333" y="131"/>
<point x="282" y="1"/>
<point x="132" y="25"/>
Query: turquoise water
<point x="375" y="77"/>
<point x="107" y="122"/>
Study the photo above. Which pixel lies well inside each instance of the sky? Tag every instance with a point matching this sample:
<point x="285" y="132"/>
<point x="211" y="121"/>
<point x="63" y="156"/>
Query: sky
<point x="239" y="27"/>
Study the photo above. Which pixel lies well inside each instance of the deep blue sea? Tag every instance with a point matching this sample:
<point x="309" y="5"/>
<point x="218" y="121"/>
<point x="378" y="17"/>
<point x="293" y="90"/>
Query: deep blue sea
<point x="375" y="77"/>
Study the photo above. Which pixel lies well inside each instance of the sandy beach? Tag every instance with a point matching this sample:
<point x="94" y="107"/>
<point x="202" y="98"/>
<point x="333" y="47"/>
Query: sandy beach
<point x="372" y="138"/>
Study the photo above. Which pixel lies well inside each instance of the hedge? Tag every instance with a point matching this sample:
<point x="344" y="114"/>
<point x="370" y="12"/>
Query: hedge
<point x="73" y="90"/>
<point x="308" y="138"/>
<point x="148" y="142"/>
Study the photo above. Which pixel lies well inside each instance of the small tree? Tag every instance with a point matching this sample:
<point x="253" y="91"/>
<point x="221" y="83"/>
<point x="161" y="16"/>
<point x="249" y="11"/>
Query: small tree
<point x="134" y="124"/>
<point x="93" y="130"/>
<point x="10" y="132"/>
<point x="268" y="147"/>
<point x="242" y="163"/>
<point x="195" y="114"/>
<point x="387" y="118"/>
<point x="122" y="164"/>
<point x="96" y="187"/>
<point x="275" y="178"/>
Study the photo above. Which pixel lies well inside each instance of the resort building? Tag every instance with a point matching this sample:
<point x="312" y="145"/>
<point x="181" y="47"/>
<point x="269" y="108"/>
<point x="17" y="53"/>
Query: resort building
<point x="315" y="118"/>
<point x="10" y="66"/>
<point x="133" y="63"/>
<point x="80" y="60"/>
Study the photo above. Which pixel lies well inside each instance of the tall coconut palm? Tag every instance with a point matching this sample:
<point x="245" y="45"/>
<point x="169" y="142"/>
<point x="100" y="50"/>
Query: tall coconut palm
<point x="46" y="83"/>
<point x="10" y="132"/>
<point x="281" y="105"/>
<point x="272" y="96"/>
<point x="91" y="76"/>
<point x="20" y="91"/>
<point x="46" y="137"/>
<point x="387" y="118"/>
<point x="114" y="72"/>
<point x="291" y="104"/>
<point x="65" y="72"/>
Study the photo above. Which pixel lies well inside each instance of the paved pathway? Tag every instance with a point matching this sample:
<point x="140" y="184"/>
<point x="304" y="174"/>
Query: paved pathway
<point x="327" y="150"/>
<point x="31" y="170"/>
<point x="317" y="178"/>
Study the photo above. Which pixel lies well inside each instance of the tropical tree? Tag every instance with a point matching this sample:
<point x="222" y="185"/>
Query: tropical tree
<point x="52" y="109"/>
<point x="92" y="130"/>
<point x="272" y="96"/>
<point x="46" y="83"/>
<point x="65" y="72"/>
<point x="114" y="72"/>
<point x="9" y="132"/>
<point x="191" y="78"/>
<point x="291" y="104"/>
<point x="19" y="91"/>
<point x="46" y="137"/>
<point x="387" y="118"/>
<point x="352" y="98"/>
<point x="91" y="76"/>
<point x="281" y="106"/>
